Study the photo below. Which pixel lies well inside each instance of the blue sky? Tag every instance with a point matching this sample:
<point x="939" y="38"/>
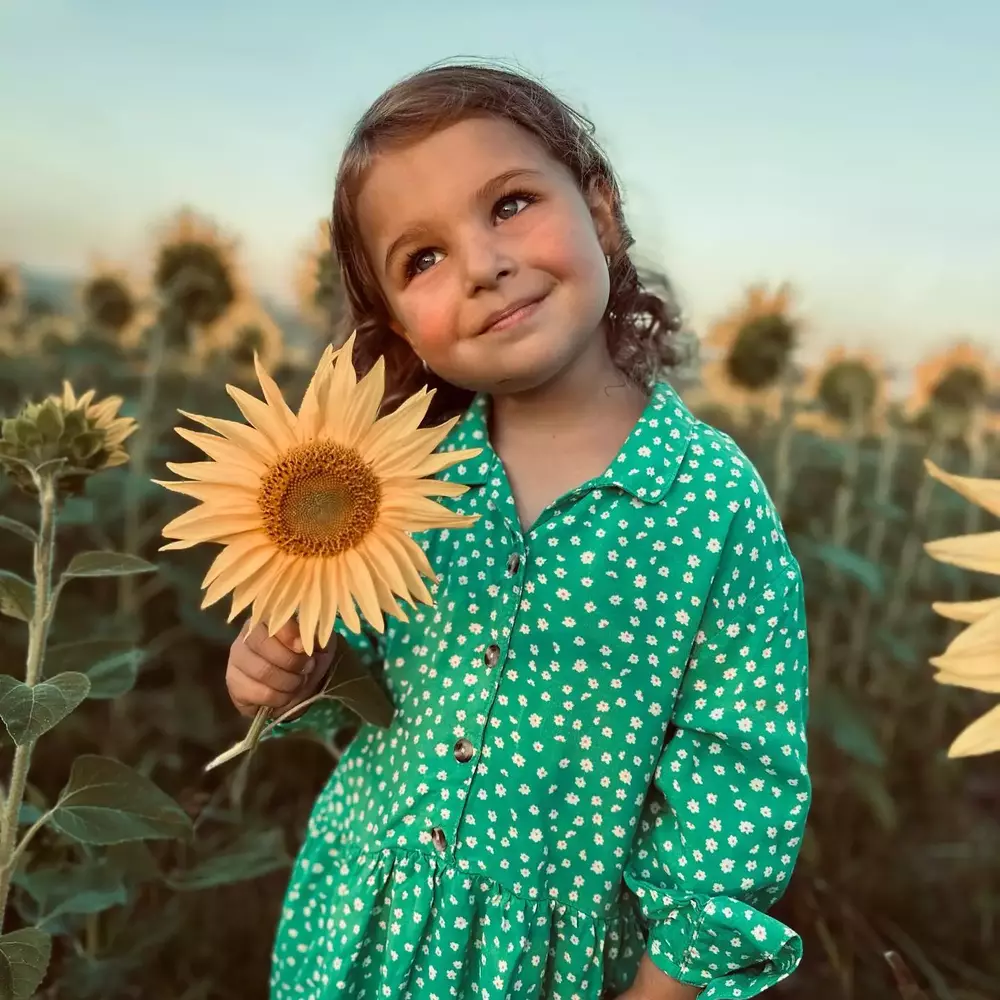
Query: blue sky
<point x="851" y="148"/>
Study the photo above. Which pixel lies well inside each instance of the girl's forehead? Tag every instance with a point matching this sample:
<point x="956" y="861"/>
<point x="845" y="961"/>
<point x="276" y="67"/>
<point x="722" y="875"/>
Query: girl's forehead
<point x="445" y="166"/>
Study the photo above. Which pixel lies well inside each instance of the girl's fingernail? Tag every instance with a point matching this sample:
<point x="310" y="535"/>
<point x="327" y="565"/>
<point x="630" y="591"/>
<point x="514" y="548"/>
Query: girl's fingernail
<point x="310" y="666"/>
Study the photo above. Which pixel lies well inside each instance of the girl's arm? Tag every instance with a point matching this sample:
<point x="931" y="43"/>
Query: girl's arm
<point x="724" y="822"/>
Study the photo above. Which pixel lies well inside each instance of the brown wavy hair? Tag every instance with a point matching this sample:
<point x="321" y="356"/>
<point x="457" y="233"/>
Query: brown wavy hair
<point x="642" y="316"/>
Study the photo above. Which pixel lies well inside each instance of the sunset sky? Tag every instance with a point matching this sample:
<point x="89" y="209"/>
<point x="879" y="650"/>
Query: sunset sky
<point x="852" y="148"/>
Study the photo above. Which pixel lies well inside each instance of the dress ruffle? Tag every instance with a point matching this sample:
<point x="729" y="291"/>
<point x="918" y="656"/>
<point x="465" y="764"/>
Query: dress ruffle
<point x="409" y="926"/>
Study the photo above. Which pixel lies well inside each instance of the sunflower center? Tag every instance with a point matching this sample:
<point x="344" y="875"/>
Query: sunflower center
<point x="320" y="499"/>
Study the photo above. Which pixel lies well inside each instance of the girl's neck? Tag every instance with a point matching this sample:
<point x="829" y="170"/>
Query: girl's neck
<point x="592" y="393"/>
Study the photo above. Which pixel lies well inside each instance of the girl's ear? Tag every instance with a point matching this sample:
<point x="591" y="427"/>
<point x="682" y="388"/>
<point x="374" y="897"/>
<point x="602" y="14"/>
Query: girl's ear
<point x="601" y="202"/>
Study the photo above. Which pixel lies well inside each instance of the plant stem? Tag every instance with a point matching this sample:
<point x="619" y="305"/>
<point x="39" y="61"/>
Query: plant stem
<point x="38" y="630"/>
<point x="873" y="552"/>
<point x="843" y="505"/>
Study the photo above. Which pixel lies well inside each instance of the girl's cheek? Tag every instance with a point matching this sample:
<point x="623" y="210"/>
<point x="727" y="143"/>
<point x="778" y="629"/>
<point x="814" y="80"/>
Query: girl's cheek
<point x="430" y="322"/>
<point x="564" y="247"/>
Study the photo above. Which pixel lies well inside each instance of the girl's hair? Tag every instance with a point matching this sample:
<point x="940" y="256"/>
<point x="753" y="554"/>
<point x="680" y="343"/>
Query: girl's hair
<point x="642" y="315"/>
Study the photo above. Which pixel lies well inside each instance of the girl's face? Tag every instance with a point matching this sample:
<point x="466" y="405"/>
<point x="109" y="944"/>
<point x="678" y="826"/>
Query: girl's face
<point x="491" y="261"/>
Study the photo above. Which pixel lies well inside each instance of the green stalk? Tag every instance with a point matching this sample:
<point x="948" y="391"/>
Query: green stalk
<point x="783" y="446"/>
<point x="843" y="505"/>
<point x="860" y="638"/>
<point x="38" y="630"/>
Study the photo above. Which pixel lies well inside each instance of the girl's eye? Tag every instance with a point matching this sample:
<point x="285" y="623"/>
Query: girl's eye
<point x="420" y="261"/>
<point x="512" y="205"/>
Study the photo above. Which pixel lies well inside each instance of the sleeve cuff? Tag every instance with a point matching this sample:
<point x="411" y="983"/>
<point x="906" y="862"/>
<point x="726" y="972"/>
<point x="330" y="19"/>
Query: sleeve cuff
<point x="725" y="946"/>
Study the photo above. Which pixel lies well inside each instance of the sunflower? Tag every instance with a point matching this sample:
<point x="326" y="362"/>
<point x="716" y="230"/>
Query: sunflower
<point x="243" y="331"/>
<point x="751" y="348"/>
<point x="973" y="658"/>
<point x="951" y="390"/>
<point x="314" y="509"/>
<point x="195" y="274"/>
<point x="115" y="305"/>
<point x="89" y="436"/>
<point x="318" y="286"/>
<point x="848" y="388"/>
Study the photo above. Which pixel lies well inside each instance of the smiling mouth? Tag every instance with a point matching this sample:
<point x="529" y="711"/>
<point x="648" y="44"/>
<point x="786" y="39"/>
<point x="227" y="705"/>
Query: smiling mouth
<point x="513" y="315"/>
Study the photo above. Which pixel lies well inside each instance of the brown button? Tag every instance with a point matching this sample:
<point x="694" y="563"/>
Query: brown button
<point x="464" y="751"/>
<point x="438" y="838"/>
<point x="492" y="655"/>
<point x="513" y="563"/>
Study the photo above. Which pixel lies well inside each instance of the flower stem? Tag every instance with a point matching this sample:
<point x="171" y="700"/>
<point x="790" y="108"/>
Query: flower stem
<point x="38" y="629"/>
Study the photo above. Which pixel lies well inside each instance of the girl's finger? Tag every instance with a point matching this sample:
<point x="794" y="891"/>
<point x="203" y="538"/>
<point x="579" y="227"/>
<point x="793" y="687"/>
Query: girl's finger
<point x="246" y="692"/>
<point x="274" y="651"/>
<point x="265" y="671"/>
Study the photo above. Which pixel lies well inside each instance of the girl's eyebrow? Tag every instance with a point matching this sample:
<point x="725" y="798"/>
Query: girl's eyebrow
<point x="490" y="188"/>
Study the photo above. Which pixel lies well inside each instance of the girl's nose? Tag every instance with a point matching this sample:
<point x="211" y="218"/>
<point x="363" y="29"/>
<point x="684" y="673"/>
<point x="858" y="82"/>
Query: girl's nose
<point x="486" y="262"/>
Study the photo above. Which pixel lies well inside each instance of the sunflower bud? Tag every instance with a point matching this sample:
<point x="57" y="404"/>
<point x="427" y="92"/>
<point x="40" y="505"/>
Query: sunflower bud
<point x="87" y="436"/>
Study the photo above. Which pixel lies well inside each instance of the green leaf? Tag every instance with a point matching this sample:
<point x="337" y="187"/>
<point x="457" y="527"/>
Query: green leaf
<point x="27" y="712"/>
<point x="253" y="854"/>
<point x="76" y="511"/>
<point x="852" y="565"/>
<point x="17" y="596"/>
<point x="111" y="665"/>
<point x="63" y="890"/>
<point x="24" y="958"/>
<point x="105" y="802"/>
<point x="106" y="564"/>
<point x="351" y="683"/>
<point x="28" y="534"/>
<point x="847" y="725"/>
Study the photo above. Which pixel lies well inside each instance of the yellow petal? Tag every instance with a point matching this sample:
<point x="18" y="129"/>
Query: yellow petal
<point x="983" y="492"/>
<point x="236" y="562"/>
<point x="345" y="601"/>
<point x="209" y="525"/>
<point x="384" y="566"/>
<point x="967" y="611"/>
<point x="228" y="498"/>
<point x="246" y="592"/>
<point x="363" y="589"/>
<point x="412" y="561"/>
<point x="364" y="404"/>
<point x="213" y="472"/>
<point x="440" y="460"/>
<point x="274" y="399"/>
<point x="976" y="552"/>
<point x="983" y="736"/>
<point x="328" y="590"/>
<point x="221" y="449"/>
<point x="400" y="423"/>
<point x="989" y="683"/>
<point x="286" y="597"/>
<point x="257" y="451"/>
<point x="263" y="418"/>
<point x="980" y="636"/>
<point x="310" y="608"/>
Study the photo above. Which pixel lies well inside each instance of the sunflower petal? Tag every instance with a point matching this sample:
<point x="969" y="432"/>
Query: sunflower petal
<point x="983" y="736"/>
<point x="261" y="416"/>
<point x="967" y="611"/>
<point x="983" y="492"/>
<point x="976" y="552"/>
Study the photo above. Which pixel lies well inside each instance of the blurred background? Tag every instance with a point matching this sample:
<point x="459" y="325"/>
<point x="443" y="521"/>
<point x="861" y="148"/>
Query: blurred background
<point x="818" y="183"/>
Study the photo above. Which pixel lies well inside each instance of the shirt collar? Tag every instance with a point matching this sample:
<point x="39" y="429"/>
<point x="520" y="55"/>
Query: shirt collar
<point x="645" y="467"/>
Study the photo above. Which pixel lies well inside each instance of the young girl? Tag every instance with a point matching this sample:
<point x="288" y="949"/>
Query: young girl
<point x="595" y="781"/>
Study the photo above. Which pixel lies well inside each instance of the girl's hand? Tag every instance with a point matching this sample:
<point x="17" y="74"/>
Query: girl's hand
<point x="273" y="671"/>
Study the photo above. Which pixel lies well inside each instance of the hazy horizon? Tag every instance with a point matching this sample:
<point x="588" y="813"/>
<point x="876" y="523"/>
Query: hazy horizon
<point x="854" y="152"/>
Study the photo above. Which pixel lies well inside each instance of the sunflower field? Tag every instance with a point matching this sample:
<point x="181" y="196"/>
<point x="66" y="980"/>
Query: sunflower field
<point x="127" y="871"/>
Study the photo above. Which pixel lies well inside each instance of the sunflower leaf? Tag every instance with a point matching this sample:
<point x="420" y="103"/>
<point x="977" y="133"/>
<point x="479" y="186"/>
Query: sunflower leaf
<point x="28" y="534"/>
<point x="350" y="683"/>
<point x="105" y="802"/>
<point x="106" y="564"/>
<point x="24" y="959"/>
<point x="28" y="712"/>
<point x="17" y="596"/>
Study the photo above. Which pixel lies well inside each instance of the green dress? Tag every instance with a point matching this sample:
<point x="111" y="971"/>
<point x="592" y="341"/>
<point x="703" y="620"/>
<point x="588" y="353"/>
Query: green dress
<point x="598" y="747"/>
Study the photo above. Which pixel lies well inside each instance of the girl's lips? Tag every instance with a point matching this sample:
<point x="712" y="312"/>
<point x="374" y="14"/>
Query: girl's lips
<point x="512" y="317"/>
